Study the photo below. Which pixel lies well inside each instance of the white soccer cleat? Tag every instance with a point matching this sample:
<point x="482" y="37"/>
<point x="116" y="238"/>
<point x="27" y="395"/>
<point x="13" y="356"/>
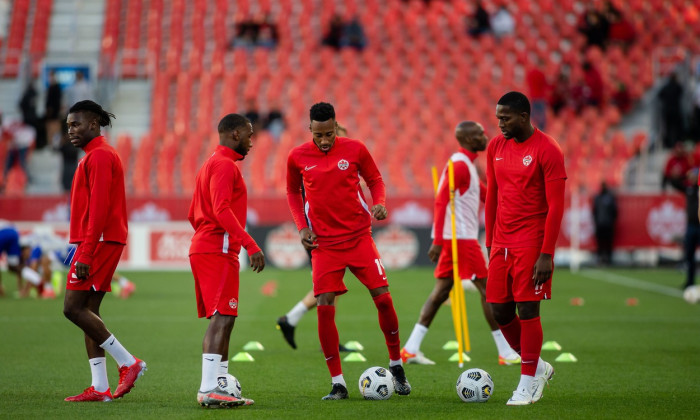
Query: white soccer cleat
<point x="521" y="396"/>
<point x="418" y="358"/>
<point x="541" y="381"/>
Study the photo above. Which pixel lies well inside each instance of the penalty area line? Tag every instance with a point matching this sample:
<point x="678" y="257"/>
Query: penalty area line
<point x="632" y="282"/>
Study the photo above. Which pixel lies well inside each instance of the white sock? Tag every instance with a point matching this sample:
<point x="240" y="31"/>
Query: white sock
<point x="525" y="382"/>
<point x="223" y="367"/>
<point x="540" y="367"/>
<point x="416" y="338"/>
<point x="98" y="367"/>
<point x="339" y="380"/>
<point x="393" y="363"/>
<point x="118" y="352"/>
<point x="31" y="276"/>
<point x="210" y="370"/>
<point x="123" y="281"/>
<point x="294" y="316"/>
<point x="503" y="346"/>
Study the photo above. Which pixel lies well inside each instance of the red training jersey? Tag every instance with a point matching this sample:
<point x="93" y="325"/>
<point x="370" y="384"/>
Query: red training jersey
<point x="516" y="202"/>
<point x="97" y="200"/>
<point x="219" y="207"/>
<point x="335" y="206"/>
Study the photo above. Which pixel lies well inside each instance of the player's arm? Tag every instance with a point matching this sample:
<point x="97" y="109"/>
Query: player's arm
<point x="221" y="191"/>
<point x="442" y="199"/>
<point x="370" y="173"/>
<point x="491" y="202"/>
<point x="99" y="173"/>
<point x="295" y="201"/>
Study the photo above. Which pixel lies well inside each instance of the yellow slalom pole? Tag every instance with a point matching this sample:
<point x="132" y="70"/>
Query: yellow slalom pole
<point x="457" y="291"/>
<point x="454" y="307"/>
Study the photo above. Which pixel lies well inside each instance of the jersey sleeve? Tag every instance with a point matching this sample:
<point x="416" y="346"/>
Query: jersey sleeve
<point x="553" y="163"/>
<point x="491" y="195"/>
<point x="555" y="192"/>
<point x="294" y="197"/>
<point x="99" y="168"/>
<point x="370" y="173"/>
<point x="221" y="185"/>
<point x="442" y="199"/>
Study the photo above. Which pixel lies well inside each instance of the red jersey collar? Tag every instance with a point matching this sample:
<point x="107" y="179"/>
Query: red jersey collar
<point x="94" y="144"/>
<point x="471" y="155"/>
<point x="228" y="152"/>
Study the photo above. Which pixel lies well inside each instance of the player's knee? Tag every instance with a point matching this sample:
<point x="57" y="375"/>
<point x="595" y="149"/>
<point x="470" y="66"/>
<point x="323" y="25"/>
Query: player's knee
<point x="70" y="312"/>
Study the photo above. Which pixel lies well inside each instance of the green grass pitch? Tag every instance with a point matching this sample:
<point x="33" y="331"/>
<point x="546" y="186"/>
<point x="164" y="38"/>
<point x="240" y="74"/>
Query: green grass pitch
<point x="638" y="361"/>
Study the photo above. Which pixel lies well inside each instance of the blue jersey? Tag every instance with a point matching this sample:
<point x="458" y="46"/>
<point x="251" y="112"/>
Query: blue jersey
<point x="9" y="244"/>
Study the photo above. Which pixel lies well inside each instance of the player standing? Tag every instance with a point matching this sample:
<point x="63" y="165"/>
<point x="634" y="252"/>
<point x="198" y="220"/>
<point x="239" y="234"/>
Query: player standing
<point x="469" y="191"/>
<point x="524" y="207"/>
<point x="218" y="216"/>
<point x="338" y="233"/>
<point x="98" y="225"/>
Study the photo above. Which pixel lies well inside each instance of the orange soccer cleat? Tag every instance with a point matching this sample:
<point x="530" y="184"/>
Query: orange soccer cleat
<point x="90" y="394"/>
<point x="128" y="376"/>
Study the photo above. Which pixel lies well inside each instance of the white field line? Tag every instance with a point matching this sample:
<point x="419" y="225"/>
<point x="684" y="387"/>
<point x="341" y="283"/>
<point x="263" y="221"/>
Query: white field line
<point x="630" y="282"/>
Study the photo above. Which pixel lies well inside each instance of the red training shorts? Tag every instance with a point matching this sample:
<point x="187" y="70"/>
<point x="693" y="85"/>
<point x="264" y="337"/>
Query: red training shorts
<point x="104" y="264"/>
<point x="215" y="283"/>
<point x="472" y="264"/>
<point x="359" y="254"/>
<point x="510" y="276"/>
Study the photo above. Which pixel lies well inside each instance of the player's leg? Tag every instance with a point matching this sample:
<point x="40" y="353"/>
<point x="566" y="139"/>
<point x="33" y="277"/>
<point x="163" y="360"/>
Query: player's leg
<point x="288" y="322"/>
<point x="215" y="346"/>
<point x="411" y="353"/>
<point x="506" y="355"/>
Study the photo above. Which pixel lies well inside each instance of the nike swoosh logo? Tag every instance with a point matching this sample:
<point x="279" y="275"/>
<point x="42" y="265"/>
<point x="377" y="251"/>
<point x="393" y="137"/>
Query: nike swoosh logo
<point x="95" y="364"/>
<point x="211" y="360"/>
<point x="384" y="278"/>
<point x="395" y="332"/>
<point x="112" y="342"/>
<point x="499" y="158"/>
<point x="329" y="357"/>
<point x="308" y="168"/>
<point x="525" y="362"/>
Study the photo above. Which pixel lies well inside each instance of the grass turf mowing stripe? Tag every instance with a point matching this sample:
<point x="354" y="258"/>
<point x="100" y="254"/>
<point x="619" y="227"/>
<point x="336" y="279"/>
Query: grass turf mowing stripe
<point x="632" y="282"/>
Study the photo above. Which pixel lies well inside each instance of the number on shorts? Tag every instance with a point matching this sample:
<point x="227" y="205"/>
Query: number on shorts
<point x="380" y="266"/>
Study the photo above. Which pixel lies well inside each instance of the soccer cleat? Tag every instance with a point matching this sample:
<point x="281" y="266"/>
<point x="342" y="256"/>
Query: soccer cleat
<point x="127" y="290"/>
<point x="287" y="330"/>
<point x="128" y="376"/>
<point x="338" y="392"/>
<point x="540" y="381"/>
<point x="90" y="394"/>
<point x="401" y="385"/>
<point x="511" y="358"/>
<point x="521" y="396"/>
<point x="48" y="293"/>
<point x="418" y="358"/>
<point x="217" y="398"/>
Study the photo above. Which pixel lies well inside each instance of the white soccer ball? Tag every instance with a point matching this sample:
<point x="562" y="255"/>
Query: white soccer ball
<point x="474" y="385"/>
<point x="376" y="383"/>
<point x="691" y="294"/>
<point x="230" y="384"/>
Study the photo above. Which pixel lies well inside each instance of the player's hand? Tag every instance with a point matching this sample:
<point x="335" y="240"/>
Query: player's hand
<point x="379" y="212"/>
<point x="82" y="270"/>
<point x="257" y="261"/>
<point x="308" y="239"/>
<point x="434" y="252"/>
<point x="542" y="271"/>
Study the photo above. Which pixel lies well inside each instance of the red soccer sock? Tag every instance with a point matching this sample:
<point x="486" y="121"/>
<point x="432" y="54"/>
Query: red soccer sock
<point x="328" y="335"/>
<point x="389" y="324"/>
<point x="531" y="344"/>
<point x="511" y="332"/>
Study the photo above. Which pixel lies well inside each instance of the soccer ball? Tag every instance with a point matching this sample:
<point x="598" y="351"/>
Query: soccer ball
<point x="474" y="385"/>
<point x="376" y="383"/>
<point x="691" y="294"/>
<point x="230" y="384"/>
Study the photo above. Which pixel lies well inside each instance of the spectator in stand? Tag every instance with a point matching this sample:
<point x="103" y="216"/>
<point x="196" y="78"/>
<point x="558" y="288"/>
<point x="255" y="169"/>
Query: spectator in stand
<point x="81" y="89"/>
<point x="354" y="35"/>
<point x="27" y="105"/>
<point x="594" y="26"/>
<point x="604" y="217"/>
<point x="274" y="123"/>
<point x="593" y="85"/>
<point x="21" y="137"/>
<point x="479" y="23"/>
<point x="671" y="114"/>
<point x="52" y="113"/>
<point x="677" y="167"/>
<point x="621" y="30"/>
<point x="538" y="87"/>
<point x="267" y="34"/>
<point x="561" y="93"/>
<point x="502" y="22"/>
<point x="252" y="113"/>
<point x="621" y="98"/>
<point x="335" y="33"/>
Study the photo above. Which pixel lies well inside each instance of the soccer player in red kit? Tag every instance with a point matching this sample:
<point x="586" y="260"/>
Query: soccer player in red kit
<point x="98" y="225"/>
<point x="218" y="215"/>
<point x="524" y="207"/>
<point x="469" y="191"/>
<point x="337" y="230"/>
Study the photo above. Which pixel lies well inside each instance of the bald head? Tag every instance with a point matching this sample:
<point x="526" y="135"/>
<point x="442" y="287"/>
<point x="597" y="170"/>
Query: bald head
<point x="470" y="135"/>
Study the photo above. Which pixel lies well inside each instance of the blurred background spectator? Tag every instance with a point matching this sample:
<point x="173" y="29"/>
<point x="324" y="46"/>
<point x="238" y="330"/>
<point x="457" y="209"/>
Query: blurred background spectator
<point x="52" y="110"/>
<point x="676" y="169"/>
<point x="604" y="218"/>
<point x="502" y="22"/>
<point x="479" y="23"/>
<point x="670" y="97"/>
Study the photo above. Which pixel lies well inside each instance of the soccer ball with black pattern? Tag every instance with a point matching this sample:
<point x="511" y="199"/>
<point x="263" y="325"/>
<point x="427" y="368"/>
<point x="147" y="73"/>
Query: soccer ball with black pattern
<point x="376" y="384"/>
<point x="230" y="384"/>
<point x="474" y="385"/>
